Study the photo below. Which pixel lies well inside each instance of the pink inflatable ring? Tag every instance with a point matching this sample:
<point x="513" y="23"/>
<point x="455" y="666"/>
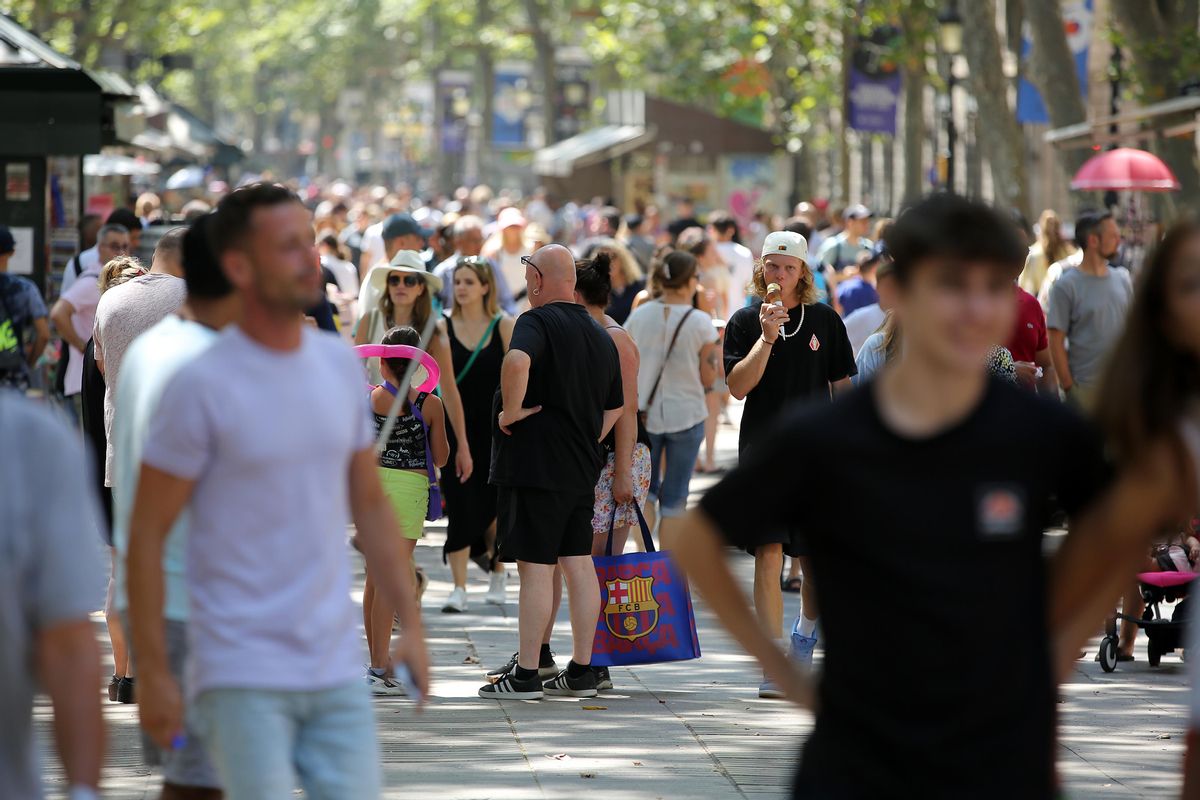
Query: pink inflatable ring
<point x="427" y="362"/>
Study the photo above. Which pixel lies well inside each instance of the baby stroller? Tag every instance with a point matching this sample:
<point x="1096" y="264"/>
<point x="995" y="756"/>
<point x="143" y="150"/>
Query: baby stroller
<point x="1162" y="635"/>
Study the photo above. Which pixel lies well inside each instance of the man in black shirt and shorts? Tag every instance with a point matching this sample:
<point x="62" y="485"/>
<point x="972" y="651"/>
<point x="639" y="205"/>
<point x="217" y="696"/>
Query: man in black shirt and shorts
<point x="560" y="394"/>
<point x="925" y="523"/>
<point x="779" y="351"/>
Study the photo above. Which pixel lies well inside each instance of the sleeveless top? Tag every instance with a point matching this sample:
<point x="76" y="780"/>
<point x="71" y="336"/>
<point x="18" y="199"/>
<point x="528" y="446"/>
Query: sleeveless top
<point x="406" y="446"/>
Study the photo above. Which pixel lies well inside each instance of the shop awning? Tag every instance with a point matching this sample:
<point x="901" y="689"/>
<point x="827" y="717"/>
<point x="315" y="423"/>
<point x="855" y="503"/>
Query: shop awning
<point x="106" y="164"/>
<point x="590" y="147"/>
<point x="1174" y="117"/>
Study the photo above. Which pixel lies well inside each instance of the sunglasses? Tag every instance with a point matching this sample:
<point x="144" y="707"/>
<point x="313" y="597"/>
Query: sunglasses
<point x="408" y="280"/>
<point x="528" y="261"/>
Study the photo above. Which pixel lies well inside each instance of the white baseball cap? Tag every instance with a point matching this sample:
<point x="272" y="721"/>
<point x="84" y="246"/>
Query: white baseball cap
<point x="787" y="243"/>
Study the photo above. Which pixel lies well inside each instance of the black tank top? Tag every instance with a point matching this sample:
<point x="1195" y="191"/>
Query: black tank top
<point x="406" y="446"/>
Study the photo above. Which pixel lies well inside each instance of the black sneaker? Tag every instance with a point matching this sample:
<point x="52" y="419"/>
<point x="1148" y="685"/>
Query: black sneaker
<point x="546" y="668"/>
<point x="125" y="692"/>
<point x="113" y="686"/>
<point x="603" y="681"/>
<point x="510" y="687"/>
<point x="566" y="686"/>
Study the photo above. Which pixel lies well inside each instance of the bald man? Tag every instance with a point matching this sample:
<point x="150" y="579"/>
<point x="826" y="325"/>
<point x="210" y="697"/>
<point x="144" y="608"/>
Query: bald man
<point x="560" y="393"/>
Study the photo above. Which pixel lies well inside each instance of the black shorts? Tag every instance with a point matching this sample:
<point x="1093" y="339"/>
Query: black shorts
<point x="793" y="543"/>
<point x="541" y="526"/>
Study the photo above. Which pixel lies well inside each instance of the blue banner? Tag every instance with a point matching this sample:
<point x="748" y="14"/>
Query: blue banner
<point x="874" y="82"/>
<point x="511" y="103"/>
<point x="1077" y="22"/>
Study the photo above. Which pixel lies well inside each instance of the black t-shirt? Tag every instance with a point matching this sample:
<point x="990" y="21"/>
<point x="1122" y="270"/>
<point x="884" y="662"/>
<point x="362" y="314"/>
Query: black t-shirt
<point x="927" y="557"/>
<point x="575" y="376"/>
<point x="680" y="225"/>
<point x="800" y="368"/>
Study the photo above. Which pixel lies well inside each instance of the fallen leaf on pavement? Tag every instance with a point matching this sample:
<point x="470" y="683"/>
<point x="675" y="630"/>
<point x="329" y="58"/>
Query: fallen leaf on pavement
<point x="587" y="774"/>
<point x="559" y="757"/>
<point x="595" y="708"/>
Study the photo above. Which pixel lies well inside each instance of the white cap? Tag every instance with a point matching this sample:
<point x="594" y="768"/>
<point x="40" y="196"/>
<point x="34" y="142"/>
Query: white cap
<point x="786" y="243"/>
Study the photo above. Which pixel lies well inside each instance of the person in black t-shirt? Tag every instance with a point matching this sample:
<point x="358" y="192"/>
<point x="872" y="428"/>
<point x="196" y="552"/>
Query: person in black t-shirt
<point x="777" y="354"/>
<point x="560" y="394"/>
<point x="931" y="495"/>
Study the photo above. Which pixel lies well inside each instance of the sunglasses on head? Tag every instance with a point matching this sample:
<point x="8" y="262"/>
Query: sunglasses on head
<point x="408" y="280"/>
<point x="528" y="261"/>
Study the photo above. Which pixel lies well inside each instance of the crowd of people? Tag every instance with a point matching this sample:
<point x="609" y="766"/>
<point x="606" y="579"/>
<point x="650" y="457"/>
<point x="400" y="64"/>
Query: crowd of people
<point x="911" y="397"/>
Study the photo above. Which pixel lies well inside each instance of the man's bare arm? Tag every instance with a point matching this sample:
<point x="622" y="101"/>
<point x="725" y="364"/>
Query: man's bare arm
<point x="1058" y="354"/>
<point x="704" y="560"/>
<point x="1102" y="552"/>
<point x="68" y="666"/>
<point x="161" y="498"/>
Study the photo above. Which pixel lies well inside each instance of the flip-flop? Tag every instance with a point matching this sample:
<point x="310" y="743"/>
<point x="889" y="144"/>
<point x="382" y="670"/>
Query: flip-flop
<point x="791" y="584"/>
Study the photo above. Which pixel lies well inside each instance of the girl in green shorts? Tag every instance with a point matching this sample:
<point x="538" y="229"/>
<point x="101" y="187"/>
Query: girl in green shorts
<point x="404" y="471"/>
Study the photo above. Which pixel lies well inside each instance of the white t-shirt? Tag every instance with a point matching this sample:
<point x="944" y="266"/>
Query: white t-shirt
<point x="740" y="261"/>
<point x="372" y="244"/>
<point x="84" y="296"/>
<point x="89" y="260"/>
<point x="268" y="437"/>
<point x="149" y="364"/>
<point x="346" y="274"/>
<point x="679" y="403"/>
<point x="862" y="323"/>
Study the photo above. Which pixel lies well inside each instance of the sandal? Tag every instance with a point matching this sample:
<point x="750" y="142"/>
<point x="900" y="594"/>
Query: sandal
<point x="791" y="584"/>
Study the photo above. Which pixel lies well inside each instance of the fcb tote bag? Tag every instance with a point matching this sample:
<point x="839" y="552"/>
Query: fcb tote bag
<point x="646" y="612"/>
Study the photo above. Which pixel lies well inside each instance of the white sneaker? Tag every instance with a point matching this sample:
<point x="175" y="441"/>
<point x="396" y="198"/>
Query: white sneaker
<point x="497" y="591"/>
<point x="383" y="686"/>
<point x="456" y="603"/>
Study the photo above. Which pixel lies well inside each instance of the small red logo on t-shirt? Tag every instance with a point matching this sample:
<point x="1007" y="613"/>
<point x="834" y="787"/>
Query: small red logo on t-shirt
<point x="814" y="343"/>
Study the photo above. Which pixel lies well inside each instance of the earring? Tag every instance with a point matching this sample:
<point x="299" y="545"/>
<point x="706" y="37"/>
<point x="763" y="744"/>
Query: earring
<point x="537" y="291"/>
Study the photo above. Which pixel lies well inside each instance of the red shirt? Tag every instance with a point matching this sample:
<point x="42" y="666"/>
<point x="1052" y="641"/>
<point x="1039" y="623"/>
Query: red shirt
<point x="1029" y="337"/>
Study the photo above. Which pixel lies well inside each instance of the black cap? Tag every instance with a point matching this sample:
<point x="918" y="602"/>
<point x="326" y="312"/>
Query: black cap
<point x="123" y="216"/>
<point x="7" y="243"/>
<point x="398" y="225"/>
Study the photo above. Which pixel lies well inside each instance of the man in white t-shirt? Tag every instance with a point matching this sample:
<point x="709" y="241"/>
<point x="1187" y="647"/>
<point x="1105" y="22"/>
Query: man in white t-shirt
<point x="148" y="366"/>
<point x="74" y="313"/>
<point x="723" y="228"/>
<point x="267" y="441"/>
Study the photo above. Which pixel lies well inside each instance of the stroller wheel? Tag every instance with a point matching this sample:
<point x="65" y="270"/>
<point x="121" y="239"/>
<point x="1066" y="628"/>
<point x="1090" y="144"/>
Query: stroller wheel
<point x="1108" y="653"/>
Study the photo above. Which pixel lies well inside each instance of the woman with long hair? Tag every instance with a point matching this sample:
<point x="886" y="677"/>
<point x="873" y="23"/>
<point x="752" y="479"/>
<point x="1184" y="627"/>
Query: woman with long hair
<point x="479" y="333"/>
<point x="1147" y="407"/>
<point x="715" y="278"/>
<point x="1049" y="248"/>
<point x="679" y="349"/>
<point x="626" y="276"/>
<point x="407" y="300"/>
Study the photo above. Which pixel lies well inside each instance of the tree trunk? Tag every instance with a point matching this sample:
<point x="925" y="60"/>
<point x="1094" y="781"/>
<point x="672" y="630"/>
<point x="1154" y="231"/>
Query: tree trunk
<point x="1052" y="70"/>
<point x="545" y="58"/>
<point x="1001" y="137"/>
<point x="914" y="133"/>
<point x="485" y="90"/>
<point x="1153" y="28"/>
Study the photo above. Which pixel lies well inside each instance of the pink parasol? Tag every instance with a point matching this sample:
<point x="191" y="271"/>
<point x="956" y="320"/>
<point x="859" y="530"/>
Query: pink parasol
<point x="1125" y="169"/>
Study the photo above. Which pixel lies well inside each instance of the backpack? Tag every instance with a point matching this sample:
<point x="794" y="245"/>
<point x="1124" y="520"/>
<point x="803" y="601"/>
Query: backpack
<point x="12" y="342"/>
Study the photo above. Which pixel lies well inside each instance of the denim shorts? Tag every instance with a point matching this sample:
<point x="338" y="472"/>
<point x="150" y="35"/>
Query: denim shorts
<point x="263" y="742"/>
<point x="669" y="486"/>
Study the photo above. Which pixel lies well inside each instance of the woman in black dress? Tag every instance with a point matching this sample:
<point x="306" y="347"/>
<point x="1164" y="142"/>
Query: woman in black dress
<point x="479" y="335"/>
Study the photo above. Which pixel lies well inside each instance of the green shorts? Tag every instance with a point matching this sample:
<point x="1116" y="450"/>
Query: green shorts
<point x="409" y="493"/>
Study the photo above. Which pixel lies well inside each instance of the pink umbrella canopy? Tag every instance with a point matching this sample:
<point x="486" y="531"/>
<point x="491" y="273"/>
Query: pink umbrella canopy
<point x="1125" y="169"/>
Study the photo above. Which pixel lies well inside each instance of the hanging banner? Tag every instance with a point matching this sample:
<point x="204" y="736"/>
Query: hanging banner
<point x="512" y="102"/>
<point x="572" y="100"/>
<point x="1078" y="17"/>
<point x="455" y="91"/>
<point x="873" y="90"/>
